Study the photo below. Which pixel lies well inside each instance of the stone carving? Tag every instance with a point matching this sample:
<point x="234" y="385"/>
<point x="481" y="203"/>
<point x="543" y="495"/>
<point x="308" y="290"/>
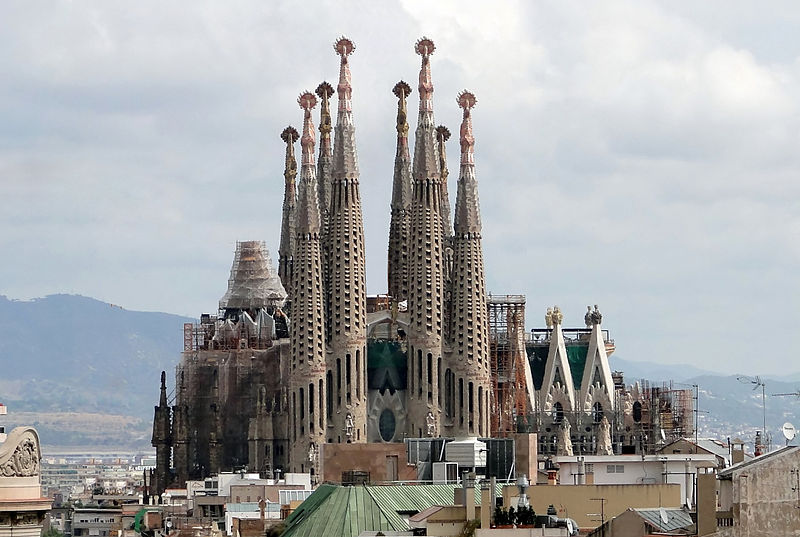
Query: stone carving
<point x="23" y="461"/>
<point x="627" y="405"/>
<point x="312" y="453"/>
<point x="604" y="438"/>
<point x="557" y="316"/>
<point x="564" y="441"/>
<point x="430" y="424"/>
<point x="548" y="318"/>
<point x="597" y="317"/>
<point x="588" y="317"/>
<point x="349" y="426"/>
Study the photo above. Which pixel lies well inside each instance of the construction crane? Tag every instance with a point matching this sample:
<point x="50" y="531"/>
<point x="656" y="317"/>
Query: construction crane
<point x="793" y="394"/>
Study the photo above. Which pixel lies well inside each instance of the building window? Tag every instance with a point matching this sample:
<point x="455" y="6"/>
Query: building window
<point x="615" y="469"/>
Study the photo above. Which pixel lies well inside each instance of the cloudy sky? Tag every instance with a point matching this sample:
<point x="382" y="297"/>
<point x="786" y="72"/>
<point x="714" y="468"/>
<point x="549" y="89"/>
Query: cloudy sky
<point x="636" y="154"/>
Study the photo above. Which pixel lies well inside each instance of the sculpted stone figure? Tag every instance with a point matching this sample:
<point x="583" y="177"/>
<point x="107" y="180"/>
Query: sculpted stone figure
<point x="430" y="423"/>
<point x="588" y="317"/>
<point x="604" y="438"/>
<point x="349" y="426"/>
<point x="564" y="440"/>
<point x="597" y="317"/>
<point x="548" y="318"/>
<point x="558" y="317"/>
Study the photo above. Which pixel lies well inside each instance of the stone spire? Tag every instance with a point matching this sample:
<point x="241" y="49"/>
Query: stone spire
<point x="307" y="420"/>
<point x="442" y="135"/>
<point x="325" y="183"/>
<point x="325" y="162"/>
<point x="346" y="293"/>
<point x="162" y="439"/>
<point x="469" y="323"/>
<point x="402" y="191"/>
<point x="288" y="221"/>
<point x="425" y="279"/>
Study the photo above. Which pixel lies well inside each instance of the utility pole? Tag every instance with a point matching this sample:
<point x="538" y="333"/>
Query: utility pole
<point x="602" y="513"/>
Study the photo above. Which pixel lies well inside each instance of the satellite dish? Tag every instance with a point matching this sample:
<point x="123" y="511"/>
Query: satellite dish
<point x="663" y="515"/>
<point x="789" y="431"/>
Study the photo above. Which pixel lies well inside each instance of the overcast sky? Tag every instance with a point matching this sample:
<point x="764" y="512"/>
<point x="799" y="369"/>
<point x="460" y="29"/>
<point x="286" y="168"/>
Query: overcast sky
<point x="639" y="155"/>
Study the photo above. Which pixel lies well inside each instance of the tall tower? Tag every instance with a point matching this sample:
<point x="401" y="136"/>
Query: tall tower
<point x="402" y="191"/>
<point x="425" y="282"/>
<point x="469" y="361"/>
<point x="289" y="220"/>
<point x="307" y="419"/>
<point x="324" y="183"/>
<point x="162" y="439"/>
<point x="347" y="323"/>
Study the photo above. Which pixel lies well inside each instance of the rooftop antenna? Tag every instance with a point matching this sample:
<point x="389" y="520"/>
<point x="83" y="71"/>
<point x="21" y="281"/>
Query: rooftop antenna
<point x="758" y="382"/>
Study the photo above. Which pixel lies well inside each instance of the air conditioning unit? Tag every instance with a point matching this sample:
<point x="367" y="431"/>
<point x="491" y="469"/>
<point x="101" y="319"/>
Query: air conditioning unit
<point x="445" y="473"/>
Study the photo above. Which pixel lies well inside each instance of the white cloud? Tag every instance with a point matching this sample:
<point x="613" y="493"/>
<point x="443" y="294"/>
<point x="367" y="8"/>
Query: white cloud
<point x="634" y="154"/>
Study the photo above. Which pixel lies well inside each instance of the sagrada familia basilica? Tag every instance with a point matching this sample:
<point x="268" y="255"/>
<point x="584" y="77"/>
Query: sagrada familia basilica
<point x="303" y="356"/>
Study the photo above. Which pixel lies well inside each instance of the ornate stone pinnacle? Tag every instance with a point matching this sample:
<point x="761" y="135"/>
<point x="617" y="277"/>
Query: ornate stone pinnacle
<point x="401" y="90"/>
<point x="466" y="100"/>
<point x="307" y="102"/>
<point x="424" y="46"/>
<point x="344" y="46"/>
<point x="290" y="135"/>
<point x="443" y="133"/>
<point x="324" y="90"/>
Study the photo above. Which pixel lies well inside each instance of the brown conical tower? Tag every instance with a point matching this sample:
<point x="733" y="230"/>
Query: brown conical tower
<point x="402" y="191"/>
<point x="425" y="285"/>
<point x="307" y="420"/>
<point x="288" y="220"/>
<point x="468" y="364"/>
<point x="346" y="294"/>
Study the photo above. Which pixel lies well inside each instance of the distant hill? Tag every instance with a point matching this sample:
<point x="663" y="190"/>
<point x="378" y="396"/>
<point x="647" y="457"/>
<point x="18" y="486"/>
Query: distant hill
<point x="85" y="373"/>
<point x="67" y="354"/>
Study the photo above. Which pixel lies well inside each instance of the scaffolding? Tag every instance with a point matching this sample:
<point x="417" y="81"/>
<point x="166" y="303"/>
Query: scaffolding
<point x="510" y="401"/>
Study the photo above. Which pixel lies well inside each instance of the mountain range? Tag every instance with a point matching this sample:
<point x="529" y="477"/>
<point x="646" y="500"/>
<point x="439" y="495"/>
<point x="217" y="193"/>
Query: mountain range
<point x="86" y="373"/>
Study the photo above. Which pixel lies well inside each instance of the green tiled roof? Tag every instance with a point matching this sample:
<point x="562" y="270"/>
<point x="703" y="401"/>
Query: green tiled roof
<point x="335" y="511"/>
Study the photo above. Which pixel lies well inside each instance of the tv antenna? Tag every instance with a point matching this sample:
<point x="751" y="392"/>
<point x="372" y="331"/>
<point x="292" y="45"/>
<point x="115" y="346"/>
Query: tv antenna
<point x="758" y="382"/>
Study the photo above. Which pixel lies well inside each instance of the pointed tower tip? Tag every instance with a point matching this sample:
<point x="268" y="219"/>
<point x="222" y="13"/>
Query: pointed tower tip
<point x="163" y="379"/>
<point x="424" y="46"/>
<point x="324" y="90"/>
<point x="307" y="101"/>
<point x="401" y="90"/>
<point x="466" y="100"/>
<point x="443" y="132"/>
<point x="344" y="47"/>
<point x="290" y="135"/>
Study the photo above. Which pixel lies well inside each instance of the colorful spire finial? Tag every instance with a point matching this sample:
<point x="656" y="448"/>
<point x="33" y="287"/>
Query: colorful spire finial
<point x="290" y="136"/>
<point x="344" y="48"/>
<point x="425" y="47"/>
<point x="307" y="102"/>
<point x="402" y="90"/>
<point x="467" y="101"/>
<point x="324" y="92"/>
